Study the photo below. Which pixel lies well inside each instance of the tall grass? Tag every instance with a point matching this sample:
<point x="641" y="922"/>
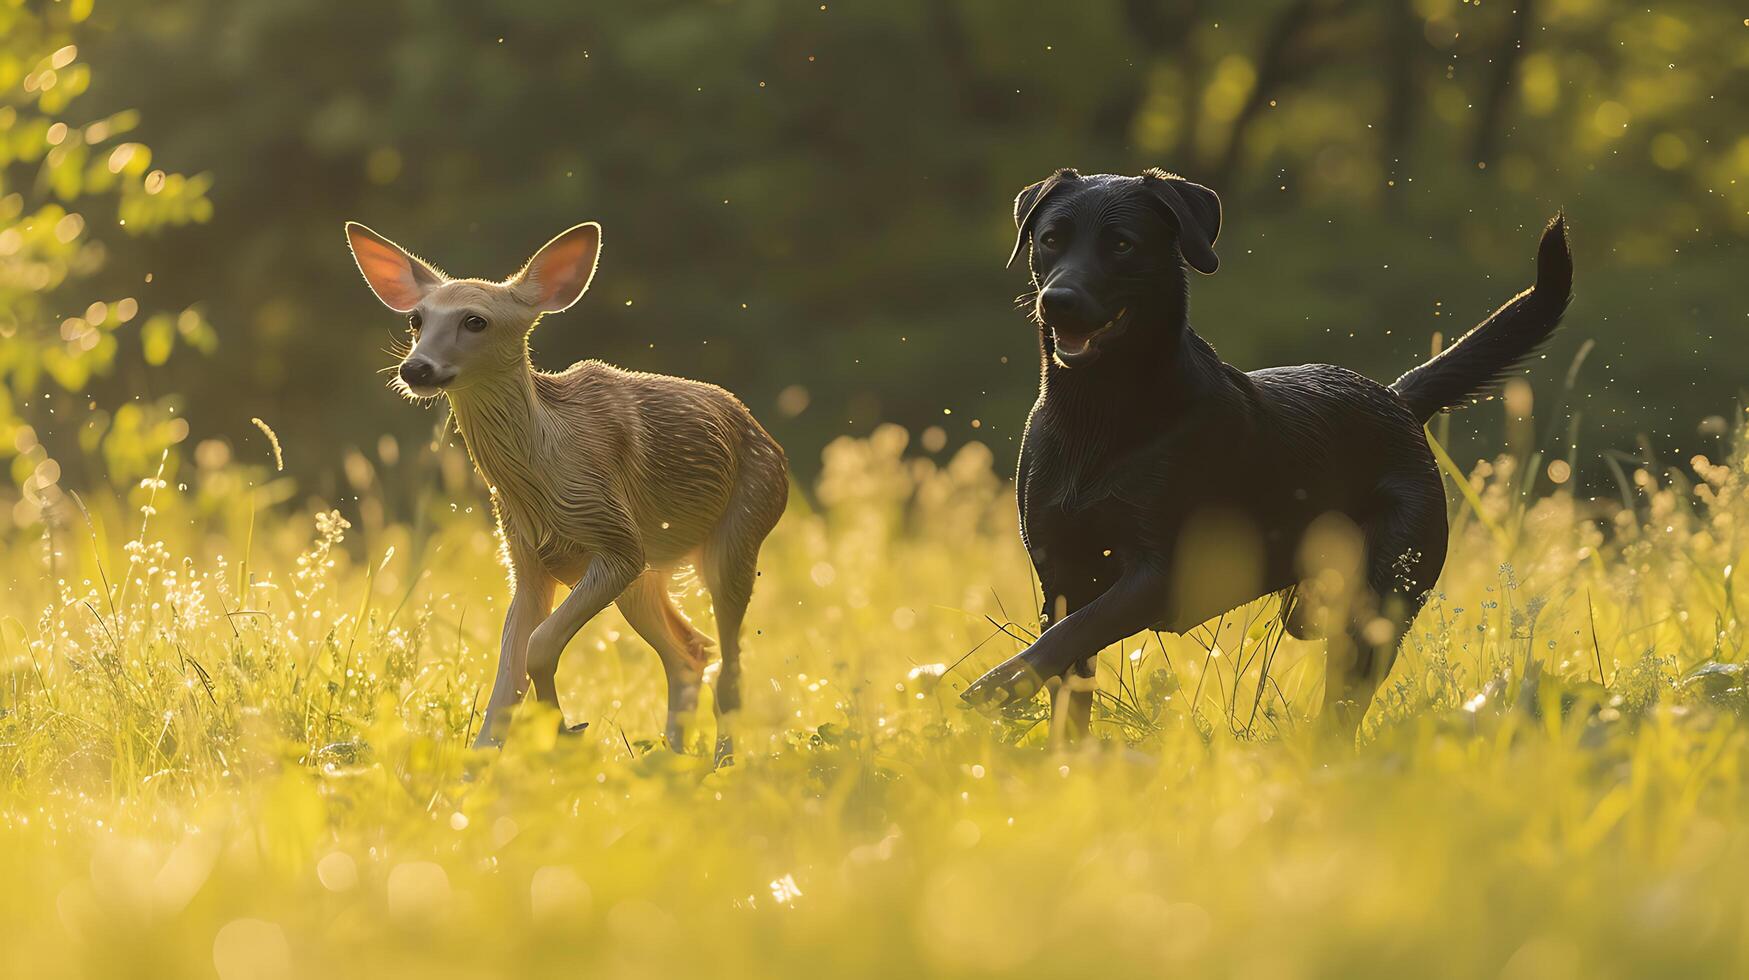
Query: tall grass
<point x="233" y="738"/>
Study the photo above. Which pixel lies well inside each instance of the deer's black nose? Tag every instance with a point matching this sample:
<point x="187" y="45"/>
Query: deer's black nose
<point x="419" y="374"/>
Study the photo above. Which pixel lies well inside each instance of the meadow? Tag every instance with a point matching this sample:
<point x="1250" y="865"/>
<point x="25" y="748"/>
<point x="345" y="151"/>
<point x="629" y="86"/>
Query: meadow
<point x="234" y="731"/>
<point x="242" y="660"/>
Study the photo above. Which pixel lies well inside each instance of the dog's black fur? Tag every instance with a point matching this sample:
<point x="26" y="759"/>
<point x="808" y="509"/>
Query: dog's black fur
<point x="1160" y="487"/>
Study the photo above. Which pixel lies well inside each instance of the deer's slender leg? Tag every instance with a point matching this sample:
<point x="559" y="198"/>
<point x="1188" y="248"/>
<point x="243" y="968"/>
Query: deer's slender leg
<point x="683" y="650"/>
<point x="609" y="573"/>
<point x="529" y="604"/>
<point x="730" y="580"/>
<point x="730" y="564"/>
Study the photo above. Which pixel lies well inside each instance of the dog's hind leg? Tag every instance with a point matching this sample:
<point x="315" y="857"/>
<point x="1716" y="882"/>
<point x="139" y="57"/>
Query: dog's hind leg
<point x="1405" y="550"/>
<point x="683" y="650"/>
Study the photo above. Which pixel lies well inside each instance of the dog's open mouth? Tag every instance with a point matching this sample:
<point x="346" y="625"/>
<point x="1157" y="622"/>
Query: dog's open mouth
<point x="1076" y="348"/>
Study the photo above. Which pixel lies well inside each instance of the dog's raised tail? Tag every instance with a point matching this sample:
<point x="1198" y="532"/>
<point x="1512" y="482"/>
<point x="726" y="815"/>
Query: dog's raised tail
<point x="1480" y="359"/>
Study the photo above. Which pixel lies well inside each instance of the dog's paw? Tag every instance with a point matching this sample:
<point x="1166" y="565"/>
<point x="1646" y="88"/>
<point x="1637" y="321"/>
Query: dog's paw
<point x="1339" y="724"/>
<point x="1008" y="682"/>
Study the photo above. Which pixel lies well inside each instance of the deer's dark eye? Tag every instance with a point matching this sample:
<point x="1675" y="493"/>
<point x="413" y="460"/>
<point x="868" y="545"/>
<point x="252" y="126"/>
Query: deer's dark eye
<point x="414" y="321"/>
<point x="474" y="322"/>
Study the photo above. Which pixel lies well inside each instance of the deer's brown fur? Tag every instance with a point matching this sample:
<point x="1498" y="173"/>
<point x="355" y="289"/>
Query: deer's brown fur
<point x="602" y="479"/>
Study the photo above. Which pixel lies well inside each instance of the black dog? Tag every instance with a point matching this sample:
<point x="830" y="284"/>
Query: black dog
<point x="1160" y="487"/>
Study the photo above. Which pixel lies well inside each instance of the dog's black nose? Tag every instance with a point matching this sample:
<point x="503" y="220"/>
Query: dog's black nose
<point x="419" y="374"/>
<point x="1058" y="303"/>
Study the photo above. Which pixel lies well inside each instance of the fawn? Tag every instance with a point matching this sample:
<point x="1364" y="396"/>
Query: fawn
<point x="603" y="479"/>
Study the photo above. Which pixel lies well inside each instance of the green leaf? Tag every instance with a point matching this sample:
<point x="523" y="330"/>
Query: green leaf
<point x="158" y="337"/>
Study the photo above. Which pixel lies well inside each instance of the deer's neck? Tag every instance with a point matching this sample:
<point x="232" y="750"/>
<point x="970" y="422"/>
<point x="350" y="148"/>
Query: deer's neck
<point x="504" y="424"/>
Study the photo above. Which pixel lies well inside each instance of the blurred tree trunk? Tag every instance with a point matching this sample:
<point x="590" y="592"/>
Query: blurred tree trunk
<point x="1162" y="32"/>
<point x="1286" y="56"/>
<point x="979" y="94"/>
<point x="1402" y="93"/>
<point x="1494" y="102"/>
<point x="1191" y="62"/>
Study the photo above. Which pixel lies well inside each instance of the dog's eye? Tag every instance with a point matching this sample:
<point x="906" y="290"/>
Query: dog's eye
<point x="474" y="322"/>
<point x="1050" y="239"/>
<point x="414" y="322"/>
<point x="1123" y="246"/>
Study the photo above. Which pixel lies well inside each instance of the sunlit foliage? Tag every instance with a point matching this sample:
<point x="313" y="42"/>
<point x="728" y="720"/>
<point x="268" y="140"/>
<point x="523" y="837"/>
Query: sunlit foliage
<point x="233" y="738"/>
<point x="71" y="184"/>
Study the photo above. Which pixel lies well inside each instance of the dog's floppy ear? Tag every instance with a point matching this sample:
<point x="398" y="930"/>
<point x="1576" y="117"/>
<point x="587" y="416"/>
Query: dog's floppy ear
<point x="1197" y="211"/>
<point x="1027" y="202"/>
<point x="398" y="277"/>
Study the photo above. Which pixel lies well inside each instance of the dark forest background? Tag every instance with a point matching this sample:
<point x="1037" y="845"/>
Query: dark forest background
<point x="810" y="203"/>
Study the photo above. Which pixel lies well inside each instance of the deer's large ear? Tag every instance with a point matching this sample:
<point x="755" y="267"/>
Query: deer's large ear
<point x="398" y="277"/>
<point x="560" y="272"/>
<point x="1197" y="212"/>
<point x="1027" y="202"/>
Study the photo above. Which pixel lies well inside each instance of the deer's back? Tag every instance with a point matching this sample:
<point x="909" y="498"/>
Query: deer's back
<point x="672" y="450"/>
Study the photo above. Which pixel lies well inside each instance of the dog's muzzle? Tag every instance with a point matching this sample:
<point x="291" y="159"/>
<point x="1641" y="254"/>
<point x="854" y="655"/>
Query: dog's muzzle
<point x="1075" y="348"/>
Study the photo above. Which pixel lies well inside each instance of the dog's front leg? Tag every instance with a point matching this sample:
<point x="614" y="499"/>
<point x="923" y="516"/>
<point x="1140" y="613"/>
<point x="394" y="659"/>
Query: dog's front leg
<point x="1135" y="601"/>
<point x="609" y="573"/>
